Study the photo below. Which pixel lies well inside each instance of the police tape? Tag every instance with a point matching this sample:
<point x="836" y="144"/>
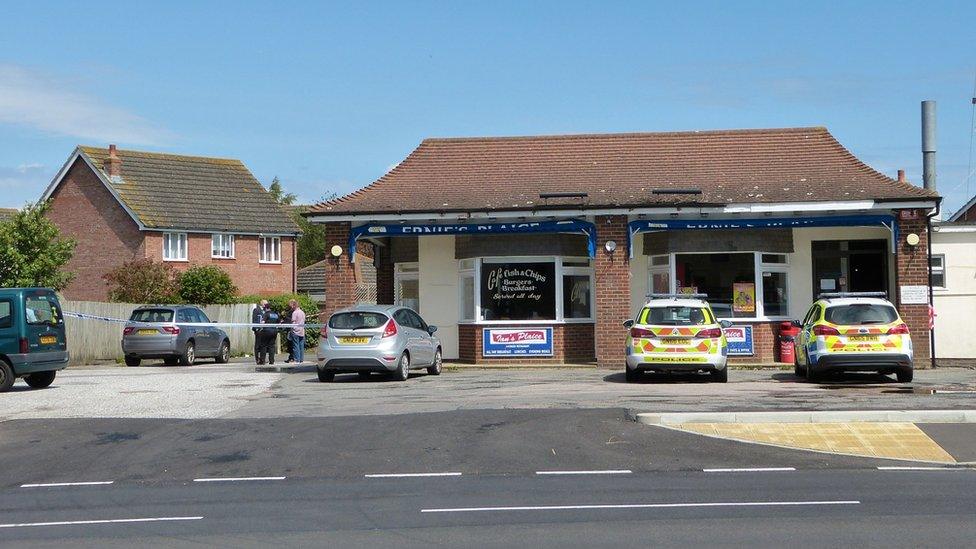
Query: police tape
<point x="137" y="324"/>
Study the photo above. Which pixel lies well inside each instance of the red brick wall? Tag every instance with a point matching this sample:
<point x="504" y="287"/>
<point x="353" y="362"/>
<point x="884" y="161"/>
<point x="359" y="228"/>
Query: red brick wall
<point x="384" y="276"/>
<point x="970" y="215"/>
<point x="340" y="275"/>
<point x="912" y="269"/>
<point x="570" y="343"/>
<point x="106" y="235"/>
<point x="249" y="275"/>
<point x="612" y="291"/>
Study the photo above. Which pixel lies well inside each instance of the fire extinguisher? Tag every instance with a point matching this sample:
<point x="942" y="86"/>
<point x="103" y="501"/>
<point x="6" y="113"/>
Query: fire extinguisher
<point x="787" y="334"/>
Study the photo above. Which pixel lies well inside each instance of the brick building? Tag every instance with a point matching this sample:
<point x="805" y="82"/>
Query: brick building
<point x="558" y="239"/>
<point x="184" y="210"/>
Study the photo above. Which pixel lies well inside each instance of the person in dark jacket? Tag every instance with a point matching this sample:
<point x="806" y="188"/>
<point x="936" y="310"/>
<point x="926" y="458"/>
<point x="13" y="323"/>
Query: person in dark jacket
<point x="286" y="319"/>
<point x="268" y="336"/>
<point x="257" y="317"/>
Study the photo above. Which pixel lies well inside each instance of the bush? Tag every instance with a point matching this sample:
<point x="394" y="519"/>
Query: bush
<point x="280" y="304"/>
<point x="143" y="281"/>
<point x="207" y="285"/>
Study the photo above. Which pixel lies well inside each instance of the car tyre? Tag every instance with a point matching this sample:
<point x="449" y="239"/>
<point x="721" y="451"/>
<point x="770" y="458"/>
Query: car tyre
<point x="632" y="376"/>
<point x="813" y="376"/>
<point x="40" y="380"/>
<point x="905" y="376"/>
<point x="189" y="354"/>
<point x="6" y="376"/>
<point x="132" y="361"/>
<point x="326" y="376"/>
<point x="403" y="368"/>
<point x="721" y="376"/>
<point x="435" y="368"/>
<point x="223" y="355"/>
<point x="363" y="375"/>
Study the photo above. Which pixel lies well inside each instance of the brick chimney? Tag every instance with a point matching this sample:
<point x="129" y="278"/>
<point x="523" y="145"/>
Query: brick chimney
<point x="901" y="176"/>
<point x="113" y="165"/>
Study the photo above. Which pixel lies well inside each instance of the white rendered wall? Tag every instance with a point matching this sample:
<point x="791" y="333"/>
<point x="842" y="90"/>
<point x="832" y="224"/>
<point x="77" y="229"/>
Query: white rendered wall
<point x="439" y="289"/>
<point x="955" y="306"/>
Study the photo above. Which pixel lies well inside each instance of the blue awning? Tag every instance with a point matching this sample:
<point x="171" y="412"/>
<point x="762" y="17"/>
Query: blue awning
<point x="652" y="225"/>
<point x="568" y="226"/>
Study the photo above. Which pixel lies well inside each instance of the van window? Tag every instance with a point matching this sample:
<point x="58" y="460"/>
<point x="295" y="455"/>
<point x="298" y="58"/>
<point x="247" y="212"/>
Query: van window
<point x="152" y="315"/>
<point x="6" y="314"/>
<point x="860" y="314"/>
<point x="42" y="309"/>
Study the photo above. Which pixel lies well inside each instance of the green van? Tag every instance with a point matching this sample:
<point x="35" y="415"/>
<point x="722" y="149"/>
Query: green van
<point x="32" y="340"/>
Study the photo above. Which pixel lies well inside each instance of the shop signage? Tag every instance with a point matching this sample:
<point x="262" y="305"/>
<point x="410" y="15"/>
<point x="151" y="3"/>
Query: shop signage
<point x="740" y="340"/>
<point x="914" y="295"/>
<point x="518" y="291"/>
<point x="516" y="342"/>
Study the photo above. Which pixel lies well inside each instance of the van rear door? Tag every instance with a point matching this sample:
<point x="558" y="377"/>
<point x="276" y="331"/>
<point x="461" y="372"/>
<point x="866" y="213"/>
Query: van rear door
<point x="45" y="324"/>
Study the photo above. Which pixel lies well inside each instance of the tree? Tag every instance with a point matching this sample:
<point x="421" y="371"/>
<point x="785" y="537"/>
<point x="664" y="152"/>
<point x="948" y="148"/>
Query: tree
<point x="311" y="243"/>
<point x="144" y="281"/>
<point x="278" y="193"/>
<point x="32" y="251"/>
<point x="206" y="285"/>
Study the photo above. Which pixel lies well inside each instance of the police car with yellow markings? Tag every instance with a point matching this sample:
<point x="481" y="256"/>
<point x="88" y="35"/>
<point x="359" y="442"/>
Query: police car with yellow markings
<point x="677" y="333"/>
<point x="853" y="332"/>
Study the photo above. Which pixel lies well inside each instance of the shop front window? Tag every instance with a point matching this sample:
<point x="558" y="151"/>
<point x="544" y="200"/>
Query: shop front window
<point x="729" y="281"/>
<point x="536" y="289"/>
<point x="576" y="296"/>
<point x="775" y="294"/>
<point x="406" y="285"/>
<point x="518" y="291"/>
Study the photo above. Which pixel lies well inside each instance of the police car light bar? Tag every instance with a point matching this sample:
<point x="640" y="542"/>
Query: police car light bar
<point x="677" y="296"/>
<point x="827" y="295"/>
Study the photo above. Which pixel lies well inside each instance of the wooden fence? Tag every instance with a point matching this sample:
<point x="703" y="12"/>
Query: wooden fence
<point x="95" y="340"/>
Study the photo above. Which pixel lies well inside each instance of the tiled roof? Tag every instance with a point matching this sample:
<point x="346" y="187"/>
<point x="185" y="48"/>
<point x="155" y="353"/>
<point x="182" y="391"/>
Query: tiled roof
<point x="7" y="213"/>
<point x="622" y="170"/>
<point x="311" y="279"/>
<point x="168" y="191"/>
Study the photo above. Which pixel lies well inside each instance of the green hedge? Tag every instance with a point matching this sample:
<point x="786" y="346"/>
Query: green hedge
<point x="280" y="304"/>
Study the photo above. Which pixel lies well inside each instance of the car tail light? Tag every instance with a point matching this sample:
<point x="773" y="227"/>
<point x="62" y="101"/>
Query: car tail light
<point x="128" y="330"/>
<point x="898" y="329"/>
<point x="175" y="330"/>
<point x="638" y="333"/>
<point x="821" y="330"/>
<point x="391" y="329"/>
<point x="24" y="348"/>
<point x="710" y="332"/>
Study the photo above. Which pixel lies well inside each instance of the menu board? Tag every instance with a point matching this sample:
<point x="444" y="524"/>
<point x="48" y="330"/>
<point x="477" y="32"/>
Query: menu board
<point x="518" y="291"/>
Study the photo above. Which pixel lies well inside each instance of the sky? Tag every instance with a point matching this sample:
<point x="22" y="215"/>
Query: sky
<point x="330" y="96"/>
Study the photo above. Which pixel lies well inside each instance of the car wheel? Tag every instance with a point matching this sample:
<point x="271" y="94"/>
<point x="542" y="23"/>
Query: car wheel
<point x="171" y="360"/>
<point x="632" y="375"/>
<point x="326" y="376"/>
<point x="721" y="376"/>
<point x="813" y="376"/>
<point x="132" y="361"/>
<point x="189" y="354"/>
<point x="435" y="368"/>
<point x="223" y="355"/>
<point x="905" y="376"/>
<point x="403" y="368"/>
<point x="40" y="380"/>
<point x="363" y="375"/>
<point x="6" y="376"/>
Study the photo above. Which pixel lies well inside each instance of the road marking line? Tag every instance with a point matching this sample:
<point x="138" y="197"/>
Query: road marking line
<point x="411" y="475"/>
<point x="641" y="506"/>
<point x="235" y="479"/>
<point x="750" y="470"/>
<point x="919" y="468"/>
<point x="103" y="521"/>
<point x="604" y="472"/>
<point x="52" y="484"/>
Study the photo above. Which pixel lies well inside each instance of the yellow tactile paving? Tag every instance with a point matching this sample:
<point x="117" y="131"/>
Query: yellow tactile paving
<point x="881" y="440"/>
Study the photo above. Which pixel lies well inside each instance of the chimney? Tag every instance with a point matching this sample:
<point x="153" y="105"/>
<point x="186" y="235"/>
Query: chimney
<point x="901" y="176"/>
<point x="113" y="165"/>
<point x="928" y="145"/>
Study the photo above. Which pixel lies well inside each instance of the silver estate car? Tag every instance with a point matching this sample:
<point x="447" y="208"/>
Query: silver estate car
<point x="161" y="331"/>
<point x="378" y="338"/>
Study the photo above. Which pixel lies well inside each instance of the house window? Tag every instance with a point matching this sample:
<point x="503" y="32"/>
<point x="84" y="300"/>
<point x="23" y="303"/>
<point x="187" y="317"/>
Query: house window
<point x="406" y="285"/>
<point x="222" y="246"/>
<point x="937" y="266"/>
<point x="270" y="249"/>
<point x="174" y="247"/>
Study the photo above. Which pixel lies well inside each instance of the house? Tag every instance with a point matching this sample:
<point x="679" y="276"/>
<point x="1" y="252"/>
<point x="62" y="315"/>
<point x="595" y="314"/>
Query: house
<point x="558" y="239"/>
<point x="122" y="205"/>
<point x="7" y="213"/>
<point x="953" y="269"/>
<point x="311" y="279"/>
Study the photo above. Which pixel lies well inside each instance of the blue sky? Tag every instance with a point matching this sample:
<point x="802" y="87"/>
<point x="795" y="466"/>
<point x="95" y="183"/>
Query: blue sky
<point x="329" y="96"/>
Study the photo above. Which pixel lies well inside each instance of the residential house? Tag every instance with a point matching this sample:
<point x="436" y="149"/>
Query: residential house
<point x="953" y="272"/>
<point x="122" y="205"/>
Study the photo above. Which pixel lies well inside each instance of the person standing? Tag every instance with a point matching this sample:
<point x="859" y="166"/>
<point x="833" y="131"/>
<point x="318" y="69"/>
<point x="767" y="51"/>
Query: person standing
<point x="286" y="319"/>
<point x="297" y="334"/>
<point x="268" y="336"/>
<point x="257" y="317"/>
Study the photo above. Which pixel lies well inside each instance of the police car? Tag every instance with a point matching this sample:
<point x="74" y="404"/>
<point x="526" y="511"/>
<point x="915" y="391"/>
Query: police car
<point x="854" y="332"/>
<point x="677" y="333"/>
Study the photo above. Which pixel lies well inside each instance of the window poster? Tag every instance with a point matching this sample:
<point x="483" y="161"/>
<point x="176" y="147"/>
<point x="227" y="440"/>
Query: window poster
<point x="744" y="297"/>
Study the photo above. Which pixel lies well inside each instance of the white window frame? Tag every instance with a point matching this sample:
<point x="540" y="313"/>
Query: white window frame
<point x="222" y="246"/>
<point x="263" y="252"/>
<point x="402" y="272"/>
<point x="940" y="270"/>
<point x="471" y="272"/>
<point x="178" y="253"/>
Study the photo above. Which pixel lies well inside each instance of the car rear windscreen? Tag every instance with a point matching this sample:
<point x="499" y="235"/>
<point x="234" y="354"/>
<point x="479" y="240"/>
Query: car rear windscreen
<point x="674" y="316"/>
<point x="152" y="315"/>
<point x="357" y="320"/>
<point x="860" y="314"/>
<point x="42" y="309"/>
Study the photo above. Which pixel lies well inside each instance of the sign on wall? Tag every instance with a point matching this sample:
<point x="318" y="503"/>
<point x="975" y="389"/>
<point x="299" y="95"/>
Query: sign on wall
<point x="502" y="342"/>
<point x="914" y="295"/>
<point x="518" y="291"/>
<point x="740" y="340"/>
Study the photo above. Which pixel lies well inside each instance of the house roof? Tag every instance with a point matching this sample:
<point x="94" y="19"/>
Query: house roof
<point x="169" y="191"/>
<point x="7" y="213"/>
<point x="962" y="211"/>
<point x="623" y="170"/>
<point x="311" y="279"/>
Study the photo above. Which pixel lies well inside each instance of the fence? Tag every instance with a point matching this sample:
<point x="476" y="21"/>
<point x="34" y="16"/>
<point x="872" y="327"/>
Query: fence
<point x="93" y="340"/>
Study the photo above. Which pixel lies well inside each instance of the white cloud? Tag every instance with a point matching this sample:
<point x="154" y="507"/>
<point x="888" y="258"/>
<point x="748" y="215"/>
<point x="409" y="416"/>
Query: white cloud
<point x="32" y="167"/>
<point x="41" y="102"/>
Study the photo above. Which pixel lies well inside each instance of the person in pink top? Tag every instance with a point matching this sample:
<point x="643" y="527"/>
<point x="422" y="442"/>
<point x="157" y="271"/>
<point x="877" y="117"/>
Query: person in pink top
<point x="297" y="333"/>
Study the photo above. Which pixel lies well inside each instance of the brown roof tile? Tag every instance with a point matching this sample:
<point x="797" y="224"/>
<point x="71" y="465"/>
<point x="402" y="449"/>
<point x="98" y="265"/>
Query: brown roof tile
<point x="621" y="170"/>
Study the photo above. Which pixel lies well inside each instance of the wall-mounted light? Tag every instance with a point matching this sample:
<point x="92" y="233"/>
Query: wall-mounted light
<point x="912" y="239"/>
<point x="610" y="246"/>
<point x="336" y="250"/>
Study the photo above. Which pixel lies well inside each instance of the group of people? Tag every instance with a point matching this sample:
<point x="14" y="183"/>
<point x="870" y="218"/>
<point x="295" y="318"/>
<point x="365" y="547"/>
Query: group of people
<point x="266" y="338"/>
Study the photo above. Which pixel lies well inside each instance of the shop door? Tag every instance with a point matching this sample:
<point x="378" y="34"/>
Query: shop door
<point x="850" y="266"/>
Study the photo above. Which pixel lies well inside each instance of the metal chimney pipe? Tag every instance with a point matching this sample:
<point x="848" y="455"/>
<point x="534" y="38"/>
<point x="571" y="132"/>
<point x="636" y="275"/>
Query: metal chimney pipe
<point x="928" y="145"/>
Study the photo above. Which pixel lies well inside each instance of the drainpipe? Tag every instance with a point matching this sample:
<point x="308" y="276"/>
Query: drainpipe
<point x="928" y="182"/>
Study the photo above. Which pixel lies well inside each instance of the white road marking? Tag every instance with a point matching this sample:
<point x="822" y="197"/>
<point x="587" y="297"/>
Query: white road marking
<point x="604" y="472"/>
<point x="411" y="475"/>
<point x="235" y="479"/>
<point x="750" y="470"/>
<point x="920" y="468"/>
<point x="641" y="506"/>
<point x="52" y="484"/>
<point x="103" y="521"/>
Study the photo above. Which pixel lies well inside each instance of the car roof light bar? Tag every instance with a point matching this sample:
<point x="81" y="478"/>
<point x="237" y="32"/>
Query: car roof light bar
<point x="828" y="295"/>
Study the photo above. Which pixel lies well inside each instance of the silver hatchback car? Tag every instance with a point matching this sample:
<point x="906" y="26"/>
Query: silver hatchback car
<point x="161" y="331"/>
<point x="378" y="338"/>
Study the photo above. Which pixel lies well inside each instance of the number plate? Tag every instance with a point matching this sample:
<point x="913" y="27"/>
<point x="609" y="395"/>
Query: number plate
<point x="353" y="340"/>
<point x="148" y="332"/>
<point x="673" y="341"/>
<point x="48" y="340"/>
<point x="862" y="338"/>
